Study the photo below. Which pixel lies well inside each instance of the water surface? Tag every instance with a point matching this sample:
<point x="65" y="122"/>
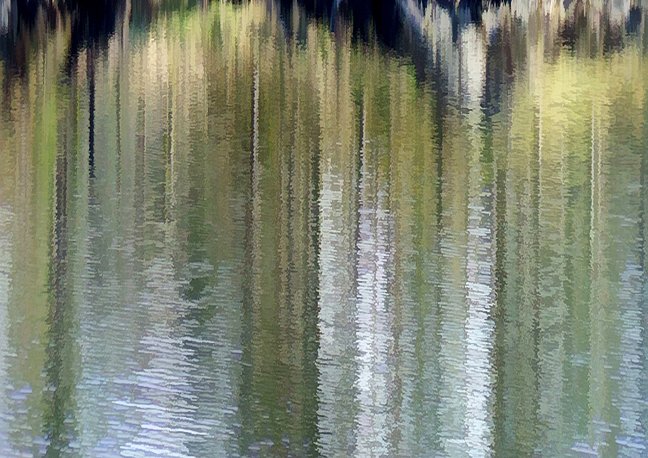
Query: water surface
<point x="268" y="228"/>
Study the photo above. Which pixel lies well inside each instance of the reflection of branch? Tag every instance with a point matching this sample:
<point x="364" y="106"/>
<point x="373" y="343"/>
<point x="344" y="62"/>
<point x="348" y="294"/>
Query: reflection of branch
<point x="60" y="352"/>
<point x="255" y="167"/>
<point x="91" y="109"/>
<point x="643" y="229"/>
<point x="255" y="121"/>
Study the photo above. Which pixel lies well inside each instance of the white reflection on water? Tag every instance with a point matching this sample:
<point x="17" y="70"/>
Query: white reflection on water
<point x="374" y="318"/>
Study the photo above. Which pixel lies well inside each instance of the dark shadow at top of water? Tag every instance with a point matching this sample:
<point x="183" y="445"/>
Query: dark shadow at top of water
<point x="397" y="25"/>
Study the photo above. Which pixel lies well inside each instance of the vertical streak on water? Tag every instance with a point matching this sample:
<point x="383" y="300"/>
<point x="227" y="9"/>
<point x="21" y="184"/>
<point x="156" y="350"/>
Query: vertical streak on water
<point x="374" y="320"/>
<point x="631" y="358"/>
<point x="255" y="165"/>
<point x="597" y="301"/>
<point x="632" y="438"/>
<point x="59" y="421"/>
<point x="118" y="121"/>
<point x="643" y="253"/>
<point x="94" y="387"/>
<point x="479" y="262"/>
<point x="252" y="236"/>
<point x="551" y="296"/>
<point x="90" y="62"/>
<point x="167" y="413"/>
<point x="336" y="321"/>
<point x="335" y="336"/>
<point x="329" y="307"/>
<point x="169" y="146"/>
<point x="460" y="62"/>
<point x="503" y="319"/>
<point x="479" y="325"/>
<point x="452" y="305"/>
<point x="6" y="247"/>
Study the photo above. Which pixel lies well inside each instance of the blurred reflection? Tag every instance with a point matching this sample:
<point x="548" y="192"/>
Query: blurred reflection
<point x="279" y="228"/>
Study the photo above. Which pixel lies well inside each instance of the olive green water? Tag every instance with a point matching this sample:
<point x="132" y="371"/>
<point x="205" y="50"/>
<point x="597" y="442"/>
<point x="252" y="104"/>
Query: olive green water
<point x="231" y="229"/>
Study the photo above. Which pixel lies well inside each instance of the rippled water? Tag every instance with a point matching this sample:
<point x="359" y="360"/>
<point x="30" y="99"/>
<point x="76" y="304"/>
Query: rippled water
<point x="274" y="228"/>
